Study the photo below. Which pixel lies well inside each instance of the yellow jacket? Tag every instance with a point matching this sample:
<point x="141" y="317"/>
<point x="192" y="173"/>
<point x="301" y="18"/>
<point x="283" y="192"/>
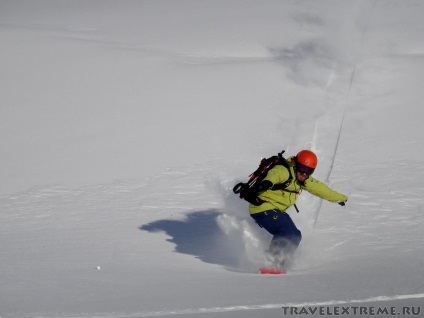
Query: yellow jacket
<point x="283" y="199"/>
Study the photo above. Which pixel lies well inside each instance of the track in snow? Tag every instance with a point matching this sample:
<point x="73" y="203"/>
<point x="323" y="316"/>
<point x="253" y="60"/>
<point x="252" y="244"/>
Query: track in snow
<point x="350" y="304"/>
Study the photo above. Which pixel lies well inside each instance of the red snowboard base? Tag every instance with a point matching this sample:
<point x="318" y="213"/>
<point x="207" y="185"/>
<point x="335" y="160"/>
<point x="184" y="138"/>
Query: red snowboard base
<point x="271" y="270"/>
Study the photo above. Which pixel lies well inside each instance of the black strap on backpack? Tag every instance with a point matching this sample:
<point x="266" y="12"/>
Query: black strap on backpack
<point x="249" y="190"/>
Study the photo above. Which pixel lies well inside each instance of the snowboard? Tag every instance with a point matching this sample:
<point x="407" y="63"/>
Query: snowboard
<point x="271" y="270"/>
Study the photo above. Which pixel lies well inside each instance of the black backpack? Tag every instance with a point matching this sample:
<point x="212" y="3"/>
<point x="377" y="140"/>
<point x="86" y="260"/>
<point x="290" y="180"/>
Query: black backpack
<point x="249" y="190"/>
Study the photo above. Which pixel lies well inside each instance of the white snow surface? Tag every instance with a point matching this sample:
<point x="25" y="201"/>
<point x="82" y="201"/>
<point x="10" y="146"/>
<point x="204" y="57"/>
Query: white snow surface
<point x="125" y="124"/>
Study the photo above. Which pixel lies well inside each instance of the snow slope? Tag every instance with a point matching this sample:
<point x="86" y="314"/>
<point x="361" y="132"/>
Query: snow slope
<point x="125" y="124"/>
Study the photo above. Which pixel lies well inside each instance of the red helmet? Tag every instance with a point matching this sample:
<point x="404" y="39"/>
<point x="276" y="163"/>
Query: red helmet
<point x="307" y="158"/>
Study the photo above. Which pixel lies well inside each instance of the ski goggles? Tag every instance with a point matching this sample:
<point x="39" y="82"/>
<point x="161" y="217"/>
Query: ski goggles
<point x="304" y="169"/>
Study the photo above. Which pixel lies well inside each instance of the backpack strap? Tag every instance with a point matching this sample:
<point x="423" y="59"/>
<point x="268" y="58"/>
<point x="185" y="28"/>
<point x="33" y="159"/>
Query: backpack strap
<point x="284" y="185"/>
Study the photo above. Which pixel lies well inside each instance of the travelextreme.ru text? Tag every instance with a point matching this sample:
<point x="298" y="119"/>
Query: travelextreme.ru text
<point x="352" y="310"/>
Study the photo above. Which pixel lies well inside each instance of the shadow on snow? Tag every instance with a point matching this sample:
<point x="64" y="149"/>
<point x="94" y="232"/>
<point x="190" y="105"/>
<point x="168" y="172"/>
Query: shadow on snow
<point x="200" y="235"/>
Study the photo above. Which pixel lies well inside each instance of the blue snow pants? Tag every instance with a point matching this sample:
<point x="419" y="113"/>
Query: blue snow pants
<point x="286" y="235"/>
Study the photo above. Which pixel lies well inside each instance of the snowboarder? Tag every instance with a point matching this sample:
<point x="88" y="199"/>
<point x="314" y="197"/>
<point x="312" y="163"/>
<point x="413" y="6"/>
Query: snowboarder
<point x="270" y="212"/>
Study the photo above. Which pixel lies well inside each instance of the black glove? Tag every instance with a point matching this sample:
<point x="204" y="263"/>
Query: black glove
<point x="251" y="196"/>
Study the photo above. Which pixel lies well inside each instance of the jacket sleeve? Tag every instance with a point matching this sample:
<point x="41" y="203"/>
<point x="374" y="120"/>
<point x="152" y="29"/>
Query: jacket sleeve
<point x="321" y="190"/>
<point x="277" y="175"/>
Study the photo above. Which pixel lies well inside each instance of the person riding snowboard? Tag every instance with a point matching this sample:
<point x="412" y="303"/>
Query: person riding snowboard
<point x="270" y="210"/>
